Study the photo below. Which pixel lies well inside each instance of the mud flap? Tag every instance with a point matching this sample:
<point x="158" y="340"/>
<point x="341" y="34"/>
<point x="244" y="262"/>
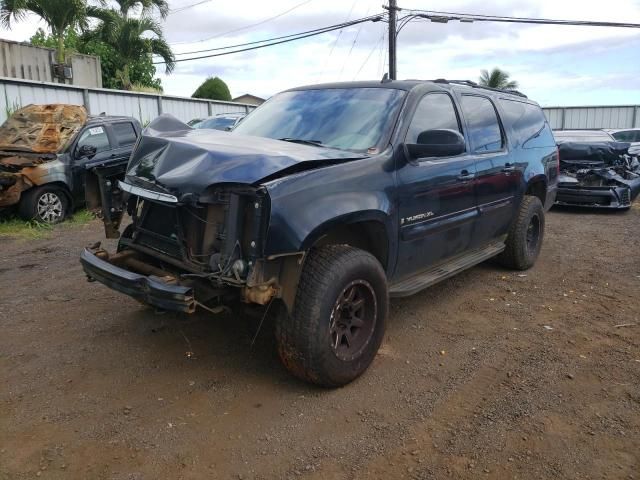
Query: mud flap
<point x="105" y="198"/>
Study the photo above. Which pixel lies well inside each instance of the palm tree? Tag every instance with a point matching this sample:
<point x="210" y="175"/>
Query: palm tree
<point x="59" y="15"/>
<point x="497" y="79"/>
<point x="131" y="37"/>
<point x="146" y="5"/>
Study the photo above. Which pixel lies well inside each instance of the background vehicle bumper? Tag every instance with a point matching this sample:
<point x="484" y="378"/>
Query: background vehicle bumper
<point x="595" y="197"/>
<point x="149" y="289"/>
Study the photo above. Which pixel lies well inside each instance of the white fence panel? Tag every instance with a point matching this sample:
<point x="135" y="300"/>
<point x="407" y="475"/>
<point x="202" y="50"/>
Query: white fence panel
<point x="113" y="104"/>
<point x="21" y="95"/>
<point x="185" y="110"/>
<point x="575" y="118"/>
<point x="227" y="108"/>
<point x="16" y="93"/>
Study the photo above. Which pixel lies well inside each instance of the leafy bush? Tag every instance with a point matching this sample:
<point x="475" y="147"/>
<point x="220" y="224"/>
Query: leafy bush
<point x="213" y="89"/>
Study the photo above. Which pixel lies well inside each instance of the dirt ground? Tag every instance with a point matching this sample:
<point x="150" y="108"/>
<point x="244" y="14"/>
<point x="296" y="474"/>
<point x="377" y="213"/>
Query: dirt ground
<point x="492" y="374"/>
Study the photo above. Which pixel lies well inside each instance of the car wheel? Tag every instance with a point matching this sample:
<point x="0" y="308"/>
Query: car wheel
<point x="44" y="204"/>
<point x="338" y="319"/>
<point x="525" y="235"/>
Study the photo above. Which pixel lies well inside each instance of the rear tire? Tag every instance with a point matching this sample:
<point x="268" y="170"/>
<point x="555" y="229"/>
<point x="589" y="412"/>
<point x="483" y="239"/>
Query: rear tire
<point x="338" y="319"/>
<point x="525" y="235"/>
<point x="46" y="204"/>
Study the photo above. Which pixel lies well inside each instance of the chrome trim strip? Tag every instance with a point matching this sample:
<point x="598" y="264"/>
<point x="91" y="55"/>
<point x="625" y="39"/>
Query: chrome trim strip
<point x="144" y="193"/>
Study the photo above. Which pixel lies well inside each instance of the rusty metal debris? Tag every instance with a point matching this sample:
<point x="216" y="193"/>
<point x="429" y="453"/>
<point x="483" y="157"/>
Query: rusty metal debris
<point x="41" y="128"/>
<point x="30" y="141"/>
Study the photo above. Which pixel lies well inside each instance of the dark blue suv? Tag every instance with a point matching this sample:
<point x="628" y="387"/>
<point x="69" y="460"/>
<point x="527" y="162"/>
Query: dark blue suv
<point x="326" y="201"/>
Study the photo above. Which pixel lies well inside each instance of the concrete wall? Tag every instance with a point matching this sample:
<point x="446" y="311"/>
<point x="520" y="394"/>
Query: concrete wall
<point x="24" y="61"/>
<point x="145" y="107"/>
<point x="570" y="118"/>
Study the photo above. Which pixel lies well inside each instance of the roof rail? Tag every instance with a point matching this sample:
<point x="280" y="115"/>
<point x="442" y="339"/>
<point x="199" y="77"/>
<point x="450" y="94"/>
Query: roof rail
<point x="469" y="83"/>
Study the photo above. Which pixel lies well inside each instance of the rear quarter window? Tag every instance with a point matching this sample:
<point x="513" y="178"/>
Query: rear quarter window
<point x="528" y="124"/>
<point x="125" y="133"/>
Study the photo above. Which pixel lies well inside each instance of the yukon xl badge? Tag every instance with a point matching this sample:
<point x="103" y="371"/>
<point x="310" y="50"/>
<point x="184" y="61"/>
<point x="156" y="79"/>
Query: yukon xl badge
<point x="416" y="218"/>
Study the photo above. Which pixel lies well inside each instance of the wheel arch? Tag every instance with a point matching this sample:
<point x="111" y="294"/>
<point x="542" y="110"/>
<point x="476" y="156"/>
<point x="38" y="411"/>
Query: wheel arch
<point x="57" y="184"/>
<point x="537" y="187"/>
<point x="368" y="230"/>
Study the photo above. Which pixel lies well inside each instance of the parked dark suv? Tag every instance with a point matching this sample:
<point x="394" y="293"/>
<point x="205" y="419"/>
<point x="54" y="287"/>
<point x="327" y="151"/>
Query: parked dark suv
<point x="49" y="152"/>
<point x="328" y="199"/>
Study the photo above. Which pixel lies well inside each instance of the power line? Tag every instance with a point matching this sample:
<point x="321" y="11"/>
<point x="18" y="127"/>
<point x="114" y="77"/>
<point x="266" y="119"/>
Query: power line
<point x="366" y="60"/>
<point x="246" y="27"/>
<point x="187" y="7"/>
<point x="322" y="29"/>
<point x="444" y="17"/>
<point x="372" y="18"/>
<point x="324" y="67"/>
<point x="355" y="40"/>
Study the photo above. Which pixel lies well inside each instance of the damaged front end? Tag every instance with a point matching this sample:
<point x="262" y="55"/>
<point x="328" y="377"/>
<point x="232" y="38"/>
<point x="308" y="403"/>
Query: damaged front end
<point x="178" y="255"/>
<point x="200" y="216"/>
<point x="598" y="175"/>
<point x="30" y="140"/>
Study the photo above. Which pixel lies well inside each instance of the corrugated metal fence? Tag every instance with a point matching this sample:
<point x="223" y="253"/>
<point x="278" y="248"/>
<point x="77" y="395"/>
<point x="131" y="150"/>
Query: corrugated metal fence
<point x="16" y="93"/>
<point x="569" y="118"/>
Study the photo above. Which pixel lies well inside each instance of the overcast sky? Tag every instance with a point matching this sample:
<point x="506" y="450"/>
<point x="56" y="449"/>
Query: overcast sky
<point x="554" y="65"/>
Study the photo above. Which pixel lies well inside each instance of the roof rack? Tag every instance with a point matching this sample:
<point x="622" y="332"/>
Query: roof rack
<point x="469" y="83"/>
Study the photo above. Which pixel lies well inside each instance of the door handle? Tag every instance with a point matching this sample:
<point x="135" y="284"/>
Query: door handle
<point x="465" y="175"/>
<point x="509" y="167"/>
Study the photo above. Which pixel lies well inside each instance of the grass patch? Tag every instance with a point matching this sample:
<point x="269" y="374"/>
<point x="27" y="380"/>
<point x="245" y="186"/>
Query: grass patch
<point x="31" y="230"/>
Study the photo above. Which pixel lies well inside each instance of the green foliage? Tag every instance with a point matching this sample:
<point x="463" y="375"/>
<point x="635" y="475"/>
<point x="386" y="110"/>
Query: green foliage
<point x="213" y="89"/>
<point x="141" y="71"/>
<point x="497" y="79"/>
<point x="14" y="227"/>
<point x="132" y="40"/>
<point x="11" y="109"/>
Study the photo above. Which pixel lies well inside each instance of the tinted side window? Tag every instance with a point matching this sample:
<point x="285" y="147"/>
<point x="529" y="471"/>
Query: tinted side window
<point x="627" y="136"/>
<point x="484" y="129"/>
<point x="95" y="136"/>
<point x="435" y="111"/>
<point x="528" y="123"/>
<point x="125" y="133"/>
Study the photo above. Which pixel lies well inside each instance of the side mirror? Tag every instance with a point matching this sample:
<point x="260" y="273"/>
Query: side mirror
<point x="437" y="143"/>
<point x="86" y="151"/>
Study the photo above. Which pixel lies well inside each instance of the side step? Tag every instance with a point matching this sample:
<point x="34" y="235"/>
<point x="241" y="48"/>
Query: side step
<point x="425" y="279"/>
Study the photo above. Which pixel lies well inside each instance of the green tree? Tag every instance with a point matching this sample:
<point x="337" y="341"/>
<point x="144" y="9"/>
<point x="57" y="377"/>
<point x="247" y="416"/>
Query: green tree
<point x="125" y="6"/>
<point x="497" y="79"/>
<point x="132" y="39"/>
<point x="59" y="15"/>
<point x="142" y="71"/>
<point x="213" y="88"/>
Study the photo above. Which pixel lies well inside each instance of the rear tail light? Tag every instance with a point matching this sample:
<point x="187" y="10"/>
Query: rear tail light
<point x="558" y="161"/>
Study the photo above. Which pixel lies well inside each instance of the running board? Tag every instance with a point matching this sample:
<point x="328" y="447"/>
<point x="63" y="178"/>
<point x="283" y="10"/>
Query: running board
<point x="425" y="279"/>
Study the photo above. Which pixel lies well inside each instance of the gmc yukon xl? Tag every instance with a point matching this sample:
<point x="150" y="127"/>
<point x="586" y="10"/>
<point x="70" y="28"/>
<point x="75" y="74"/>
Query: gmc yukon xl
<point x="326" y="201"/>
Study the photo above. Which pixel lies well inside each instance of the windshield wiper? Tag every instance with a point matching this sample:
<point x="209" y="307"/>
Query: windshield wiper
<point x="315" y="143"/>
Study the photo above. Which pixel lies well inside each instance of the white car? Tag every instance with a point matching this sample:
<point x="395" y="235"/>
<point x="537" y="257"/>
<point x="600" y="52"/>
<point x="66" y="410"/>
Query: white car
<point x="631" y="135"/>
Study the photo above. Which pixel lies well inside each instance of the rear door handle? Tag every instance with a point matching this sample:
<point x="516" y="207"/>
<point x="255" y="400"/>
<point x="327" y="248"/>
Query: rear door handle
<point x="465" y="175"/>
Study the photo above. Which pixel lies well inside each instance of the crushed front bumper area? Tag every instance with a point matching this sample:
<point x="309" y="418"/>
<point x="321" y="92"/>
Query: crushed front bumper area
<point x="149" y="289"/>
<point x="608" y="197"/>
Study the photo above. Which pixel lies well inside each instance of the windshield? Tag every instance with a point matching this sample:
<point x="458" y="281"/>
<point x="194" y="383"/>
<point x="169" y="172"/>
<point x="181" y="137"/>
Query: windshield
<point x="346" y="118"/>
<point x="217" y="123"/>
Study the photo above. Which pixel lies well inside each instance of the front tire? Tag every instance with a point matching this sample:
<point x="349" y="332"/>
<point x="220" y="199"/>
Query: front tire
<point x="338" y="320"/>
<point x="524" y="240"/>
<point x="46" y="204"/>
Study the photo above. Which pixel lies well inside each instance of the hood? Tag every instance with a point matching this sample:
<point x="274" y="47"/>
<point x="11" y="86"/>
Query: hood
<point x="172" y="157"/>
<point x="41" y="128"/>
<point x="607" y="152"/>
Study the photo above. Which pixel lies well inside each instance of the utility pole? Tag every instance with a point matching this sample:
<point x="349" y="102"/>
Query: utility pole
<point x="393" y="9"/>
